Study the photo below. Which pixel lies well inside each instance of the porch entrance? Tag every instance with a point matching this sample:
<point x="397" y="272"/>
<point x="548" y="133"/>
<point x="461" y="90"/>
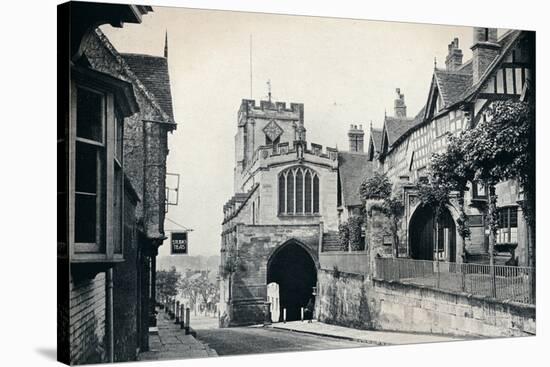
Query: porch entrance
<point x="429" y="240"/>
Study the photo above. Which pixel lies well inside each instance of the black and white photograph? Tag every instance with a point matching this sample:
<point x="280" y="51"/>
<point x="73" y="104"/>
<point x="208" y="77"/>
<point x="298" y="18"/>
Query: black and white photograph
<point x="235" y="182"/>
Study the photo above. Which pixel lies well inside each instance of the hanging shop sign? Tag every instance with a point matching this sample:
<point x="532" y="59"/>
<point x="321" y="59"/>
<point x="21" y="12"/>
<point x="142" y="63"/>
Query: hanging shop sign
<point x="178" y="243"/>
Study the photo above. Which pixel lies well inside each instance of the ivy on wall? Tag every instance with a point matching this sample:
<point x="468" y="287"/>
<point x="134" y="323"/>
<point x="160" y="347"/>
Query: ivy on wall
<point x="379" y="187"/>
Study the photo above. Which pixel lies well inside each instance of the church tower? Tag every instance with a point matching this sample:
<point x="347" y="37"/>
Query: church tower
<point x="270" y="124"/>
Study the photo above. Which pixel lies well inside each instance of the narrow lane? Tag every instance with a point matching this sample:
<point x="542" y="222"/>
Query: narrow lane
<point x="246" y="340"/>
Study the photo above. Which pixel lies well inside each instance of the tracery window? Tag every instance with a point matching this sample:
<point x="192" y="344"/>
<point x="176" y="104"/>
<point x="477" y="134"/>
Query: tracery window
<point x="298" y="191"/>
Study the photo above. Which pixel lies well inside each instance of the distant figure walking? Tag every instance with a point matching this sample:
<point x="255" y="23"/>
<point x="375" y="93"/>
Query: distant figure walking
<point x="309" y="309"/>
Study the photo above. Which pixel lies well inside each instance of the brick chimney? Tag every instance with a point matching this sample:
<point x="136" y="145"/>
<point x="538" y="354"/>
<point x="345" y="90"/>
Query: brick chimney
<point x="454" y="57"/>
<point x="399" y="104"/>
<point x="356" y="138"/>
<point x="484" y="50"/>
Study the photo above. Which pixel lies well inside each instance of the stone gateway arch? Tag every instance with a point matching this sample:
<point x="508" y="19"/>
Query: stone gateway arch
<point x="294" y="270"/>
<point x="287" y="256"/>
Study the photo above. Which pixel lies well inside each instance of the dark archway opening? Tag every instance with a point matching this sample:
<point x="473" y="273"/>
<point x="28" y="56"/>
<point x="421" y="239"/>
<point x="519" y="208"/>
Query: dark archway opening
<point x="294" y="270"/>
<point x="424" y="231"/>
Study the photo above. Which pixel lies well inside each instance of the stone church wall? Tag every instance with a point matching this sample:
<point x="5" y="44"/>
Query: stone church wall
<point x="255" y="245"/>
<point x="269" y="197"/>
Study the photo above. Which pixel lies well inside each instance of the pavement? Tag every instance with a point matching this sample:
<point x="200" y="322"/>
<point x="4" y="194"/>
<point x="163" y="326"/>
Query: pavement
<point x="363" y="336"/>
<point x="171" y="343"/>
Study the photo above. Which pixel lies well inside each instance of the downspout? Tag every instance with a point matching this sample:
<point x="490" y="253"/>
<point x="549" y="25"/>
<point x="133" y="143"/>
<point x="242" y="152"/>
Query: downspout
<point x="109" y="319"/>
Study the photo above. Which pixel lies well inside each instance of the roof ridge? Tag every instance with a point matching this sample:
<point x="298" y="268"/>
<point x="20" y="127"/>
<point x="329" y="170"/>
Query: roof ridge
<point x="454" y="72"/>
<point x="154" y="74"/>
<point x="118" y="56"/>
<point x="349" y="152"/>
<point x="140" y="54"/>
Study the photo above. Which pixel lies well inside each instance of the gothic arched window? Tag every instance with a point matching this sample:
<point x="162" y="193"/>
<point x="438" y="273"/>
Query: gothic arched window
<point x="298" y="191"/>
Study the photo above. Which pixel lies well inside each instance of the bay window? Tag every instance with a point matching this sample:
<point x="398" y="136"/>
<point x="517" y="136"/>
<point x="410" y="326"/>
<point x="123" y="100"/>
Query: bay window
<point x="507" y="232"/>
<point x="98" y="105"/>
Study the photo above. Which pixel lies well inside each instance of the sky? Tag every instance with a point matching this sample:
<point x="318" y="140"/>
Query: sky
<point x="344" y="71"/>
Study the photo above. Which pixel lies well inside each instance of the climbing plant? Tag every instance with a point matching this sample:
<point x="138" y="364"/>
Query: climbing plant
<point x="343" y="236"/>
<point x="355" y="230"/>
<point x="379" y="187"/>
<point x="500" y="147"/>
<point x="351" y="234"/>
<point x="231" y="265"/>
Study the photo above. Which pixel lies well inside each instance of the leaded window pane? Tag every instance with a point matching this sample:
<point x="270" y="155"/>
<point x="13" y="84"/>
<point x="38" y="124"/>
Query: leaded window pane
<point x="316" y="194"/>
<point x="307" y="190"/>
<point x="290" y="193"/>
<point x="299" y="192"/>
<point x="282" y="189"/>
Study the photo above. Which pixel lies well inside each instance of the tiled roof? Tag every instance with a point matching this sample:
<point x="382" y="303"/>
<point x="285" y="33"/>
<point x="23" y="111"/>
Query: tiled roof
<point x="452" y="85"/>
<point x="353" y="169"/>
<point x="466" y="68"/>
<point x="396" y="127"/>
<point x="401" y="127"/>
<point x="455" y="87"/>
<point x="376" y="136"/>
<point x="152" y="71"/>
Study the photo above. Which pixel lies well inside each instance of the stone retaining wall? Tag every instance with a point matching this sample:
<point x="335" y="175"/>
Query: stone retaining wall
<point x="353" y="300"/>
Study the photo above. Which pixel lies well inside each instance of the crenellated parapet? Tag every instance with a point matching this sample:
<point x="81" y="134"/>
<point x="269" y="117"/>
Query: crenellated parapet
<point x="232" y="207"/>
<point x="267" y="155"/>
<point x="270" y="110"/>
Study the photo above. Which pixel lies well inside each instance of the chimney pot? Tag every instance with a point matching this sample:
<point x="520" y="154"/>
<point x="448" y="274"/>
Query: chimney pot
<point x="453" y="60"/>
<point x="484" y="50"/>
<point x="356" y="138"/>
<point x="400" y="108"/>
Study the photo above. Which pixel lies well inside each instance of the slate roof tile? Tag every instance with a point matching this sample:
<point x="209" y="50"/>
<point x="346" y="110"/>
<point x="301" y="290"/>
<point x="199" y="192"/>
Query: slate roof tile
<point x="353" y="169"/>
<point x="152" y="71"/>
<point x="376" y="136"/>
<point x="452" y="85"/>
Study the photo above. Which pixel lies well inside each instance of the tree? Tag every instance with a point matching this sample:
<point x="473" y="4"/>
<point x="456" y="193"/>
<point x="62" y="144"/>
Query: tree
<point x="198" y="289"/>
<point x="379" y="187"/>
<point x="499" y="148"/>
<point x="168" y="282"/>
<point x="448" y="172"/>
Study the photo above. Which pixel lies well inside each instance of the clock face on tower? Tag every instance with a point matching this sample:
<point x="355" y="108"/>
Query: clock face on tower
<point x="272" y="130"/>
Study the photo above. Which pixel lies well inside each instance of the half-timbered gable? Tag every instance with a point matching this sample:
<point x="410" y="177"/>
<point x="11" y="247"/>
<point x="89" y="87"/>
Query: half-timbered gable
<point x="459" y="96"/>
